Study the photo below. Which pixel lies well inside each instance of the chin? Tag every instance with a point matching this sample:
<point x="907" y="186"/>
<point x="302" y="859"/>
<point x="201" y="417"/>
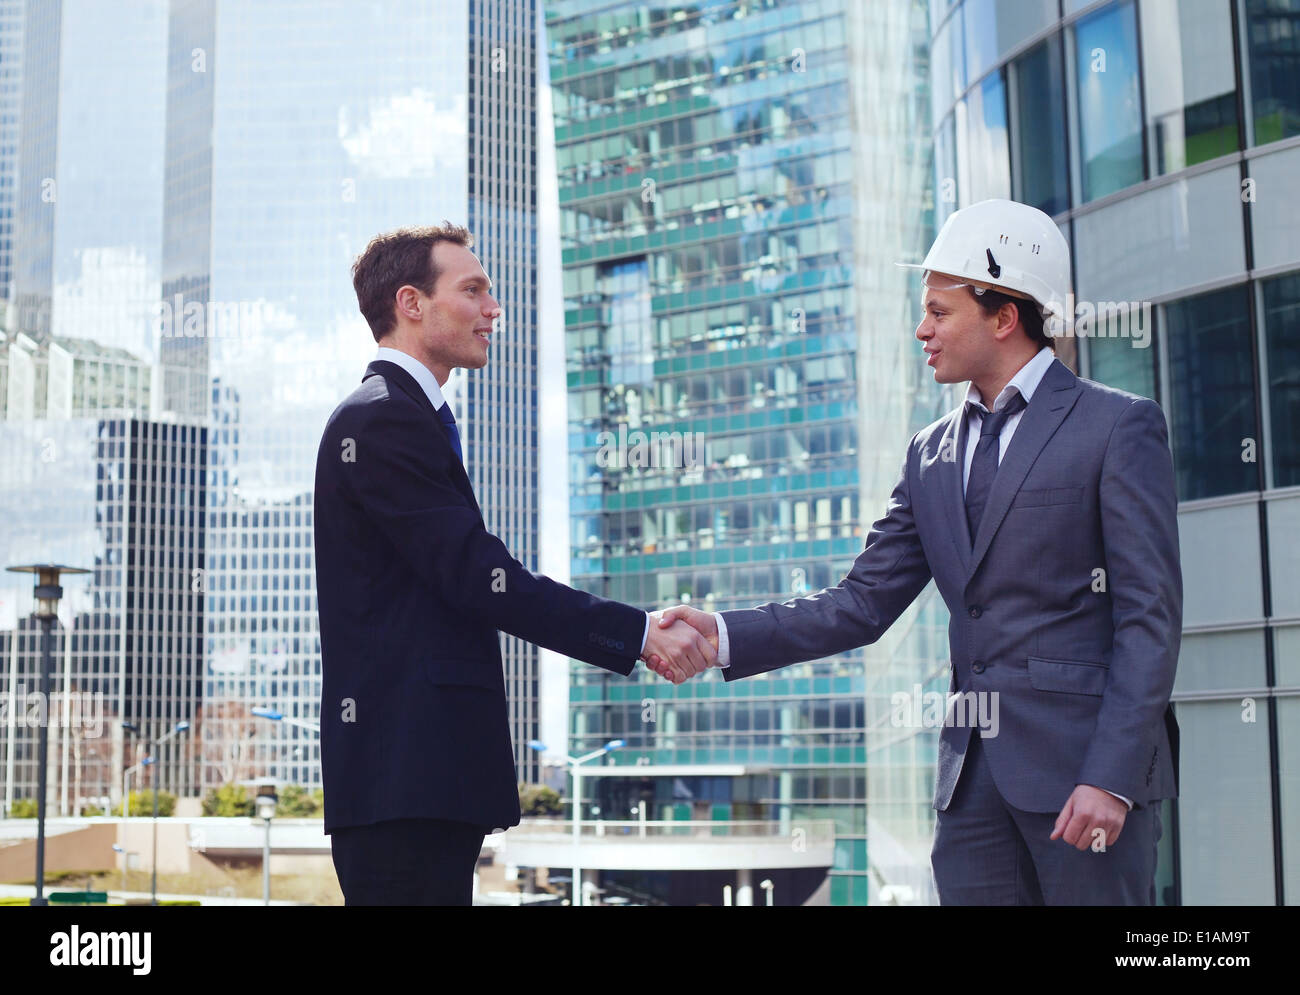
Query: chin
<point x="949" y="376"/>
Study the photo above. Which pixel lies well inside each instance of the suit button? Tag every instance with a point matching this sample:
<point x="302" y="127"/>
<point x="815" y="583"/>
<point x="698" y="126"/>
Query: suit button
<point x="974" y="611"/>
<point x="977" y="667"/>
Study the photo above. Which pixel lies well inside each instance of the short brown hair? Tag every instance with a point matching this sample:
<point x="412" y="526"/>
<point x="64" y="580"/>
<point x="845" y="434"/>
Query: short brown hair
<point x="393" y="260"/>
<point x="1031" y="319"/>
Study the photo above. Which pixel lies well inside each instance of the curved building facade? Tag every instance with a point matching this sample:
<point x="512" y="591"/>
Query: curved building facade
<point x="1164" y="138"/>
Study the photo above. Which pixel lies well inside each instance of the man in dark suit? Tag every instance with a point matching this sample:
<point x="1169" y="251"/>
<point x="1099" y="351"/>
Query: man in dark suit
<point x="1044" y="508"/>
<point x="413" y="591"/>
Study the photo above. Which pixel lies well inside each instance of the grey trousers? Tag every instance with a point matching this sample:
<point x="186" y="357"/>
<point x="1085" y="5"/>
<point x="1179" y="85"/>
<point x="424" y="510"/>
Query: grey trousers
<point x="987" y="852"/>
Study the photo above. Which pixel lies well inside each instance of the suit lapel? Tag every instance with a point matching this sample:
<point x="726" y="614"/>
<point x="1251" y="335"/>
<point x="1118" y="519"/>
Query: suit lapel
<point x="950" y="489"/>
<point x="394" y="374"/>
<point x="1053" y="399"/>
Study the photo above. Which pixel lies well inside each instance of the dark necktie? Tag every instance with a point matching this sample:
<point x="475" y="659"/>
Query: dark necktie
<point x="984" y="466"/>
<point x="449" y="420"/>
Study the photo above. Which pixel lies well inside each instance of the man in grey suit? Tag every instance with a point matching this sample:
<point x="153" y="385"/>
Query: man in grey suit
<point x="1049" y="526"/>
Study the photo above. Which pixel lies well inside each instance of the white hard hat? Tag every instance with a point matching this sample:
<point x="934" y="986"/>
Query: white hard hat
<point x="1011" y="246"/>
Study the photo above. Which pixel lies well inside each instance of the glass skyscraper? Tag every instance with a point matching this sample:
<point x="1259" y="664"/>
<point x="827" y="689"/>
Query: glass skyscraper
<point x="11" y="68"/>
<point x="736" y="182"/>
<point x="291" y="140"/>
<point x="184" y="252"/>
<point x="1162" y="137"/>
<point x="94" y="476"/>
<point x="122" y="497"/>
<point x="500" y="402"/>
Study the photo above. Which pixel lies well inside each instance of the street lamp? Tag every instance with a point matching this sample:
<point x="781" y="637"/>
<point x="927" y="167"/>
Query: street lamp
<point x="126" y="780"/>
<point x="274" y="716"/>
<point x="47" y="592"/>
<point x="266" y="802"/>
<point x="176" y="730"/>
<point x="575" y="771"/>
<point x="126" y="860"/>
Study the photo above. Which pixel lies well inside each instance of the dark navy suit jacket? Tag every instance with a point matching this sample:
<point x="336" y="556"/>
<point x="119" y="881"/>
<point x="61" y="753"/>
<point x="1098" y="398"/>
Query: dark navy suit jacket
<point x="412" y="591"/>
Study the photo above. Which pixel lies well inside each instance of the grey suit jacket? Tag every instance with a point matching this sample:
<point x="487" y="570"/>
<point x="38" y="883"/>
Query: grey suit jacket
<point x="1068" y="606"/>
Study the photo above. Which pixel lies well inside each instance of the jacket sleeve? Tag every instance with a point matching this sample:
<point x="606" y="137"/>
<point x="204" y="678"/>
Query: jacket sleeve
<point x="886" y="577"/>
<point x="1139" y="525"/>
<point x="397" y="478"/>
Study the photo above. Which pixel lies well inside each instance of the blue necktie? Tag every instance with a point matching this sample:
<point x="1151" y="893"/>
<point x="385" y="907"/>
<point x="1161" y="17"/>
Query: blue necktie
<point x="449" y="420"/>
<point x="984" y="465"/>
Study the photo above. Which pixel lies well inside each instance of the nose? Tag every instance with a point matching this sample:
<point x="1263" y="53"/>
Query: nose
<point x="492" y="308"/>
<point x="923" y="330"/>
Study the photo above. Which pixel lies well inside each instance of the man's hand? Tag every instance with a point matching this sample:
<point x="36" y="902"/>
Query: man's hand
<point x="677" y="652"/>
<point x="1087" y="810"/>
<point x="702" y="622"/>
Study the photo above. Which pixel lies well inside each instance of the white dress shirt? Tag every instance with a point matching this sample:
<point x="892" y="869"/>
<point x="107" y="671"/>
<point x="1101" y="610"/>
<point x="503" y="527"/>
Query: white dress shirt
<point x="422" y="374"/>
<point x="429" y="384"/>
<point x="1025" y="382"/>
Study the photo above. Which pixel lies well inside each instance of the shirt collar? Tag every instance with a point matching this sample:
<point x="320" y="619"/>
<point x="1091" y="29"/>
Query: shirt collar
<point x="1026" y="381"/>
<point x="423" y="375"/>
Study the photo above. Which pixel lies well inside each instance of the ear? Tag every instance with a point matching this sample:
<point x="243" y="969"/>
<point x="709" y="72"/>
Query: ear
<point x="407" y="302"/>
<point x="1007" y="320"/>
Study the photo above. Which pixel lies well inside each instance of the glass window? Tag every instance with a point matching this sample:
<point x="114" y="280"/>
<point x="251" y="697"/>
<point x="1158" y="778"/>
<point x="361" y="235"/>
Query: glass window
<point x="947" y="65"/>
<point x="995" y="27"/>
<point x="986" y="131"/>
<point x="1210" y="661"/>
<point x="1226" y="832"/>
<point x="1211" y="384"/>
<point x="1288" y="748"/>
<point x="1283" y="522"/>
<point x="1162" y="241"/>
<point x="945" y="170"/>
<point x="1119" y="362"/>
<point x="1286" y="653"/>
<point x="1273" y="42"/>
<point x="1037" y="89"/>
<point x="1273" y="227"/>
<point x="981" y="36"/>
<point x="1282" y="335"/>
<point x="939" y="10"/>
<point x="1190" y="84"/>
<point x="1110" y="118"/>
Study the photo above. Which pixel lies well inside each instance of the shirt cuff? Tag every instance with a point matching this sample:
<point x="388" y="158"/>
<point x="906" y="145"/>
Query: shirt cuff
<point x="724" y="648"/>
<point x="1114" y="795"/>
<point x="645" y="637"/>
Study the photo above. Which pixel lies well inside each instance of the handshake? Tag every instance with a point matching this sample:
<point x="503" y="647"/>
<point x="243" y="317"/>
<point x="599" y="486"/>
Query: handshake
<point x="682" y="642"/>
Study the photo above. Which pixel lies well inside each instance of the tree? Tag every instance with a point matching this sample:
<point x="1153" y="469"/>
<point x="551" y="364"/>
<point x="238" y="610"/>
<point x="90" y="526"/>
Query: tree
<point x="296" y="803"/>
<point x="538" y="799"/>
<point x="229" y="800"/>
<point x="24" y="808"/>
<point x="141" y="802"/>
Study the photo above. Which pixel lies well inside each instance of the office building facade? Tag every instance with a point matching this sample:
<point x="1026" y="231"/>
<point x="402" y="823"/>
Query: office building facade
<point x="736" y="182"/>
<point x="201" y="218"/>
<point x="124" y="498"/>
<point x="1164" y="137"/>
<point x="291" y="140"/>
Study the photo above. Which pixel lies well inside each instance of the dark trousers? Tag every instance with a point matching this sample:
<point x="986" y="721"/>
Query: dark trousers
<point x="987" y="852"/>
<point x="407" y="862"/>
